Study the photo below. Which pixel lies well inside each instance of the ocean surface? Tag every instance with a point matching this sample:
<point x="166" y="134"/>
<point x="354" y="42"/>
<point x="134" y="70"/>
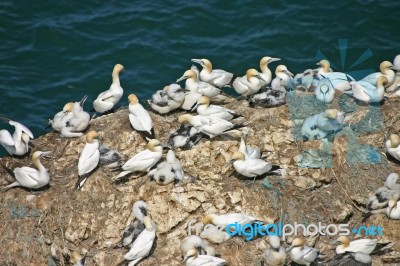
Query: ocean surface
<point x="55" y="52"/>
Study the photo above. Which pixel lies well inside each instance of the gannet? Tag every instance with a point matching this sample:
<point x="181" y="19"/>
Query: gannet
<point x="203" y="107"/>
<point x="144" y="160"/>
<point x="308" y="79"/>
<point x="385" y="69"/>
<point x="275" y="254"/>
<point x="339" y="80"/>
<point x="396" y="82"/>
<point x="251" y="167"/>
<point x="168" y="171"/>
<point x="108" y="99"/>
<point x="248" y="84"/>
<point x="18" y="143"/>
<point x="78" y="122"/>
<point x="301" y="254"/>
<point x="325" y="92"/>
<point x="60" y="119"/>
<point x="381" y="196"/>
<point x="193" y="84"/>
<point x="248" y="151"/>
<point x="109" y="158"/>
<point x="211" y="126"/>
<point x="321" y="125"/>
<point x="368" y="93"/>
<point x="393" y="146"/>
<point x="130" y="234"/>
<point x="192" y="258"/>
<point x="325" y="67"/>
<point x="393" y="209"/>
<point x="266" y="74"/>
<point x="185" y="137"/>
<point x="174" y="100"/>
<point x="351" y="259"/>
<point x="140" y="118"/>
<point x="194" y="241"/>
<point x="215" y="235"/>
<point x="268" y="98"/>
<point x="216" y="77"/>
<point x="223" y="220"/>
<point x="78" y="259"/>
<point x="89" y="158"/>
<point x="30" y="177"/>
<point x="366" y="246"/>
<point x="286" y="76"/>
<point x="142" y="246"/>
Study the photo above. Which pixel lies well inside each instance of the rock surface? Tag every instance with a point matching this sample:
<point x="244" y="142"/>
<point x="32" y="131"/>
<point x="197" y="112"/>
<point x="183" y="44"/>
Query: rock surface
<point x="41" y="227"/>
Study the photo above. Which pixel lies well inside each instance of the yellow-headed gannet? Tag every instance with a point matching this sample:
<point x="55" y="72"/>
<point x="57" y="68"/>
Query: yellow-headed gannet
<point x="351" y="259"/>
<point x="286" y="76"/>
<point x="171" y="98"/>
<point x="18" y="143"/>
<point x="393" y="146"/>
<point x="194" y="85"/>
<point x="223" y="220"/>
<point x="381" y="196"/>
<point x="325" y="92"/>
<point x="302" y="254"/>
<point x="215" y="234"/>
<point x="396" y="83"/>
<point x="30" y="177"/>
<point x="143" y="245"/>
<point x="321" y="125"/>
<point x="192" y="258"/>
<point x="266" y="74"/>
<point x="339" y="80"/>
<point x="393" y="209"/>
<point x="140" y="118"/>
<point x="60" y="119"/>
<point x="275" y="254"/>
<point x="325" y="67"/>
<point x="130" y="234"/>
<point x="216" y="77"/>
<point x="248" y="84"/>
<point x="203" y="107"/>
<point x="368" y="93"/>
<point x="108" y="99"/>
<point x="385" y="69"/>
<point x="211" y="126"/>
<point x="89" y="158"/>
<point x="194" y="241"/>
<point x="248" y="151"/>
<point x="185" y="137"/>
<point x="78" y="259"/>
<point x="251" y="167"/>
<point x="366" y="246"/>
<point x="144" y="160"/>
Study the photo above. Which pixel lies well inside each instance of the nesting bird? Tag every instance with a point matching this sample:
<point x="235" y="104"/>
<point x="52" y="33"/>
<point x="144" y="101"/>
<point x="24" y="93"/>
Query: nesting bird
<point x="248" y="84"/>
<point x="302" y="254"/>
<point x="18" y="143"/>
<point x="251" y="167"/>
<point x="275" y="254"/>
<point x="351" y="259"/>
<point x="196" y="242"/>
<point x="325" y="92"/>
<point x="366" y="246"/>
<point x="185" y="137"/>
<point x="107" y="100"/>
<point x="109" y="158"/>
<point x="229" y="218"/>
<point x="386" y="70"/>
<point x="29" y="177"/>
<point x="393" y="146"/>
<point x="339" y="80"/>
<point x="321" y="125"/>
<point x="203" y="107"/>
<point x="89" y="158"/>
<point x="168" y="99"/>
<point x="268" y="98"/>
<point x="216" y="77"/>
<point x="393" y="209"/>
<point x="192" y="258"/>
<point x="140" y="118"/>
<point x="381" y="196"/>
<point x="168" y="171"/>
<point x="285" y="75"/>
<point x="266" y="74"/>
<point x="248" y="151"/>
<point x="368" y="93"/>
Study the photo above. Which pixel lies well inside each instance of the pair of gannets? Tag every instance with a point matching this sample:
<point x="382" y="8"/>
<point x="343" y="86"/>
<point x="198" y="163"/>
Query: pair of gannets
<point x="185" y="137"/>
<point x="108" y="99"/>
<point x="266" y="74"/>
<point x="211" y="126"/>
<point x="142" y="247"/>
<point x="144" y="160"/>
<point x="323" y="124"/>
<point x="192" y="258"/>
<point x="18" y="143"/>
<point x="132" y="232"/>
<point x="88" y="159"/>
<point x="196" y="242"/>
<point x="72" y="120"/>
<point x="248" y="84"/>
<point x="302" y="254"/>
<point x="203" y="107"/>
<point x="267" y="98"/>
<point x="216" y="77"/>
<point x="366" y="246"/>
<point x="168" y="171"/>
<point x="393" y="146"/>
<point x="29" y="177"/>
<point x="368" y="93"/>
<point x="168" y="99"/>
<point x="140" y="118"/>
<point x="274" y="254"/>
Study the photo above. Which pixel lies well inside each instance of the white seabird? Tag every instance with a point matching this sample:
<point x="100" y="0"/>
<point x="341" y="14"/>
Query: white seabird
<point x="396" y="82"/>
<point x="109" y="158"/>
<point x="215" y="234"/>
<point x="325" y="92"/>
<point x="339" y="80"/>
<point x="211" y="126"/>
<point x="321" y="125"/>
<point x="248" y="84"/>
<point x="30" y="177"/>
<point x="266" y="74"/>
<point x="301" y="254"/>
<point x="393" y="209"/>
<point x="385" y="70"/>
<point x="275" y="254"/>
<point x="248" y="151"/>
<point x="171" y="98"/>
<point x="18" y="143"/>
<point x="193" y="84"/>
<point x="393" y="146"/>
<point x="325" y="67"/>
<point x="194" y="241"/>
<point x="216" y="77"/>
<point x="78" y="259"/>
<point x="192" y="258"/>
<point x="366" y="246"/>
<point x="185" y="137"/>
<point x="89" y="158"/>
<point x="203" y="107"/>
<point x="78" y="122"/>
<point x="144" y="160"/>
<point x="351" y="259"/>
<point x="381" y="196"/>
<point x="251" y="167"/>
<point x="140" y="118"/>
<point x="223" y="220"/>
<point x="267" y="98"/>
<point x="368" y="93"/>
<point x="168" y="171"/>
<point x="286" y="76"/>
<point x="142" y="246"/>
<point x="60" y="119"/>
<point x="108" y="99"/>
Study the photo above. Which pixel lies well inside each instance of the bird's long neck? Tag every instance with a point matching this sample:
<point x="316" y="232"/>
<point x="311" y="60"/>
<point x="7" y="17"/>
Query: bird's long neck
<point x="39" y="165"/>
<point x="115" y="77"/>
<point x="265" y="69"/>
<point x="381" y="90"/>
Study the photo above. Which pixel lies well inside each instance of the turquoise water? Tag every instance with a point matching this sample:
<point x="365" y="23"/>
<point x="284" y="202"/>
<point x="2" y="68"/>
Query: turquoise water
<point x="51" y="54"/>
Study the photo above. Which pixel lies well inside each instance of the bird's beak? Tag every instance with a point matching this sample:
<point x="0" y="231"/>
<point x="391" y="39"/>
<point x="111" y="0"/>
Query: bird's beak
<point x="186" y="258"/>
<point x="260" y="77"/>
<point x="231" y="161"/>
<point x="82" y="102"/>
<point x="195" y="107"/>
<point x="46" y="154"/>
<point x="288" y="72"/>
<point x="334" y="242"/>
<point x="181" y="78"/>
<point x="31" y="145"/>
<point x="198" y="61"/>
<point x="289" y="249"/>
<point x="165" y="146"/>
<point x="274" y="60"/>
<point x="318" y="64"/>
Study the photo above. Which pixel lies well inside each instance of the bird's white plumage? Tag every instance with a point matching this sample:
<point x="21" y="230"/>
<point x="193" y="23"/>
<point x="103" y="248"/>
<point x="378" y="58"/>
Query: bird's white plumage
<point x="89" y="158"/>
<point x="140" y="118"/>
